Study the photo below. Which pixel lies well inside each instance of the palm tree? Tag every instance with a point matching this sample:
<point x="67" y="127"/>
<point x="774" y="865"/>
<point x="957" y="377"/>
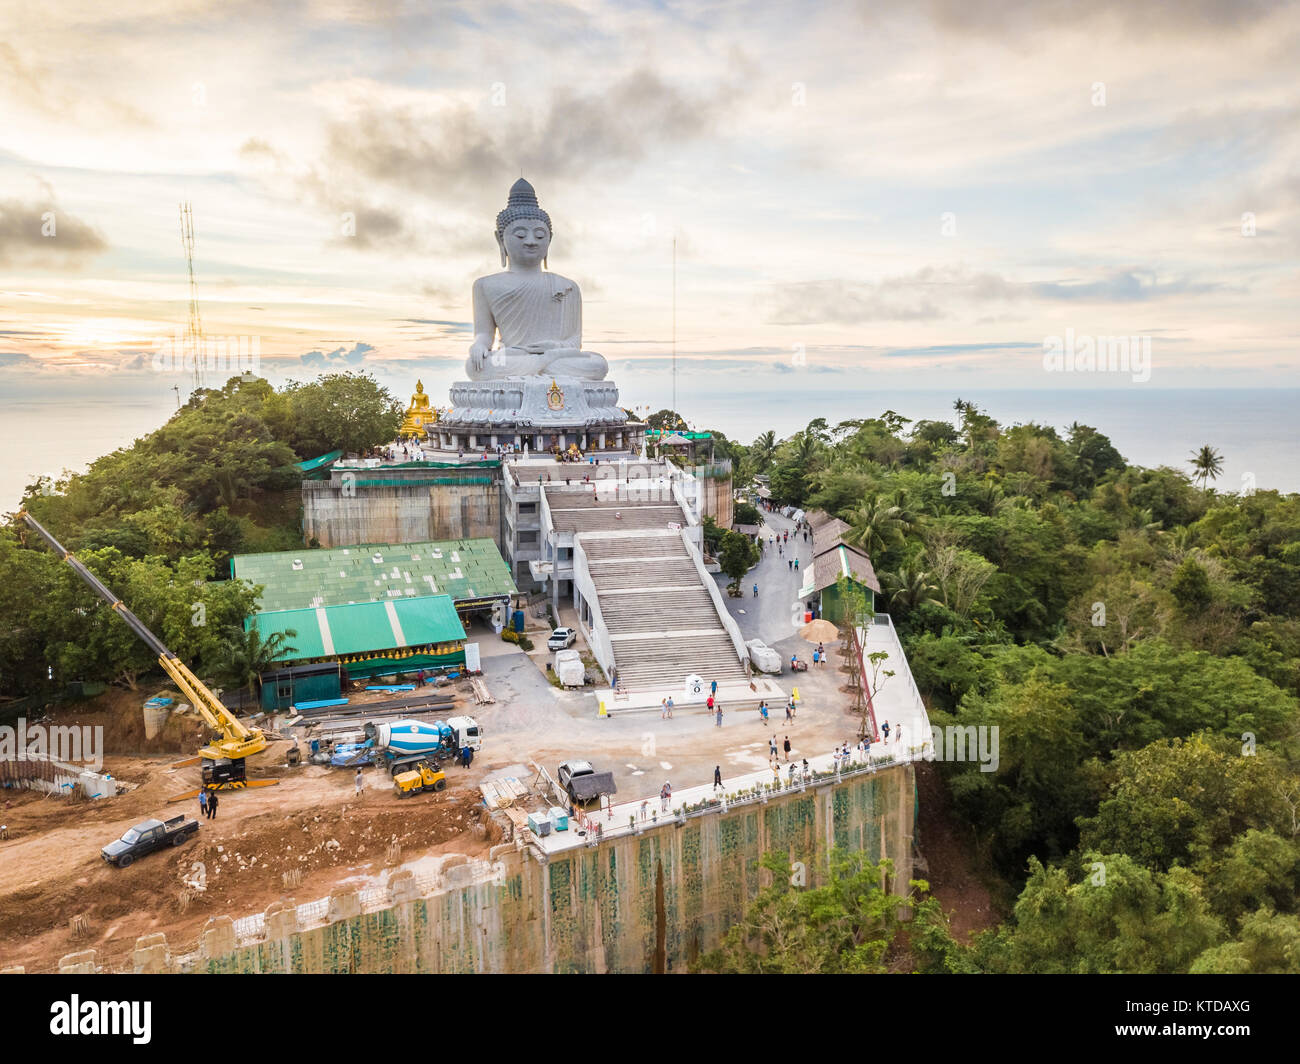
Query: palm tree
<point x="876" y="525"/>
<point x="807" y="446"/>
<point x="245" y="655"/>
<point x="908" y="588"/>
<point x="1208" y="464"/>
<point x="763" y="449"/>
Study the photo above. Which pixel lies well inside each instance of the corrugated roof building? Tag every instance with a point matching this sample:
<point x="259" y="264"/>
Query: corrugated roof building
<point x="471" y="571"/>
<point x="834" y="558"/>
<point x="372" y="638"/>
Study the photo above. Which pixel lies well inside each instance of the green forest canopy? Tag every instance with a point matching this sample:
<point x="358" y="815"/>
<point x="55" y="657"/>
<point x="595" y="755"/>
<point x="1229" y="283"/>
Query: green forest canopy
<point x="159" y="520"/>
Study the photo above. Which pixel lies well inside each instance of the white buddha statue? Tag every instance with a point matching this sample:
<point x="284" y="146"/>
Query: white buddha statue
<point x="537" y="314"/>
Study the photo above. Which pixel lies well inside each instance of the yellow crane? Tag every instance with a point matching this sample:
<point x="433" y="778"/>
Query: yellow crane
<point x="223" y="760"/>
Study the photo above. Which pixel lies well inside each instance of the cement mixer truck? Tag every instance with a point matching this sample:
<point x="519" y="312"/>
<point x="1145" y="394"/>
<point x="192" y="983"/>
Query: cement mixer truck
<point x="401" y="744"/>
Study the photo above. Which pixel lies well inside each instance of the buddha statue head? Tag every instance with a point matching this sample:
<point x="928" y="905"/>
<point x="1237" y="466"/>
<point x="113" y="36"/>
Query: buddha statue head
<point x="523" y="228"/>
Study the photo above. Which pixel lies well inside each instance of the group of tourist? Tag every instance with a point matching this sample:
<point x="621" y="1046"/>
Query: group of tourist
<point x="400" y="451"/>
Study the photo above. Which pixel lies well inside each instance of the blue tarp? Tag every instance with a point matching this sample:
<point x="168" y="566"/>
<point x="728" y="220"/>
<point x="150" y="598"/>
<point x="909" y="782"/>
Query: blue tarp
<point x="322" y="703"/>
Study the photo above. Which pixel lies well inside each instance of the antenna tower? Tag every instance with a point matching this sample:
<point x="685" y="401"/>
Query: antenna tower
<point x="194" y="328"/>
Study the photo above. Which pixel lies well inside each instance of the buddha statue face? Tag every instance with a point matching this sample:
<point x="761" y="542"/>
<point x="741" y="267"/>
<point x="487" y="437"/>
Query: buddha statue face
<point x="526" y="241"/>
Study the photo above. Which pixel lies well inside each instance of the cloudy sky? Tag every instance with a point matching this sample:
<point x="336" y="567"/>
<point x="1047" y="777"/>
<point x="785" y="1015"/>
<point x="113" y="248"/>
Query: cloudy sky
<point x="858" y="195"/>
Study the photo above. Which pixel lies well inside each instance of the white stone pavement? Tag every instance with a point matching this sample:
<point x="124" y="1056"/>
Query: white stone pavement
<point x="617" y="821"/>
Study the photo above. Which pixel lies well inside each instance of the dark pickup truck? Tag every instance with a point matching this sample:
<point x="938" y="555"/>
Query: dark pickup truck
<point x="148" y="836"/>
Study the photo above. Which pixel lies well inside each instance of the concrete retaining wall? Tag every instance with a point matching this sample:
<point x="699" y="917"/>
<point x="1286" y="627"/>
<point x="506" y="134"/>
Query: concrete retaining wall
<point x="591" y="909"/>
<point x="405" y="514"/>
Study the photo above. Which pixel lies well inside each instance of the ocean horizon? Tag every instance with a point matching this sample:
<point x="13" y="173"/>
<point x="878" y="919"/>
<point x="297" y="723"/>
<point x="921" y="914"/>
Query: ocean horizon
<point x="1255" y="429"/>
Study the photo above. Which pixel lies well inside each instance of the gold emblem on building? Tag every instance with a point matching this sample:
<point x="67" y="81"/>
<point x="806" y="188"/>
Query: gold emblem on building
<point x="555" y="397"/>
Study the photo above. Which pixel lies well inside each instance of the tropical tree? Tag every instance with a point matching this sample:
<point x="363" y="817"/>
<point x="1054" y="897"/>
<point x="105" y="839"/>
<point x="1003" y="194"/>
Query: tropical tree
<point x="762" y="450"/>
<point x="877" y="525"/>
<point x="1208" y="464"/>
<point x="737" y="555"/>
<point x="909" y="588"/>
<point x="246" y="654"/>
<point x="848" y="925"/>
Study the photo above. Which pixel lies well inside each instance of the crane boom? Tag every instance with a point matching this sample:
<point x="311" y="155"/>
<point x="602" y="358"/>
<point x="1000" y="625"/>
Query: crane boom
<point x="237" y="740"/>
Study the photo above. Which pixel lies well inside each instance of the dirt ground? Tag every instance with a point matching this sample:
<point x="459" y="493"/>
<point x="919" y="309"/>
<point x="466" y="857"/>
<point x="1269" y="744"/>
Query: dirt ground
<point x="51" y="871"/>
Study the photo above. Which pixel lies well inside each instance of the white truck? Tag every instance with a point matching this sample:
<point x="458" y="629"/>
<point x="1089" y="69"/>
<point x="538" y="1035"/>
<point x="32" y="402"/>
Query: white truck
<point x="468" y="732"/>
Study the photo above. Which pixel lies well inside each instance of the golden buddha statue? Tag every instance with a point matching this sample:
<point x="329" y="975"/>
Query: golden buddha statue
<point x="419" y="416"/>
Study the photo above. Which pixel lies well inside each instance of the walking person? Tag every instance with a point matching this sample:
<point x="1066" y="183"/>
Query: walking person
<point x="212" y="806"/>
<point x="796" y="565"/>
<point x="786" y="744"/>
<point x="670" y="707"/>
<point x="815" y="658"/>
<point x="713" y="689"/>
<point x="755" y="591"/>
<point x="718" y="721"/>
<point x="885" y="728"/>
<point x="419" y="678"/>
<point x="717" y="776"/>
<point x="762" y="712"/>
<point x="663" y="709"/>
<point x="789" y="563"/>
<point x="788" y="715"/>
<point x="203" y="801"/>
<point x="821" y="649"/>
<point x="359" y="783"/>
<point x="665" y="796"/>
<point x="708" y="702"/>
<point x="771" y="748"/>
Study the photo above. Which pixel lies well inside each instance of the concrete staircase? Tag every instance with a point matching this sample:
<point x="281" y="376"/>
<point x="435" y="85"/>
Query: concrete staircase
<point x="661" y="620"/>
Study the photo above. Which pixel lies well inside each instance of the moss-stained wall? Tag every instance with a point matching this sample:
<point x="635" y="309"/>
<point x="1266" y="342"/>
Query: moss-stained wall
<point x="595" y="909"/>
<point x="400" y="514"/>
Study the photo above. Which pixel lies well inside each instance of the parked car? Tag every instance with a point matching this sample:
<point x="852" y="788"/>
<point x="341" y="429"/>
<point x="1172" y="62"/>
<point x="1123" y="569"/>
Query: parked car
<point x="561" y="639"/>
<point x="147" y="836"/>
<point x="582" y="783"/>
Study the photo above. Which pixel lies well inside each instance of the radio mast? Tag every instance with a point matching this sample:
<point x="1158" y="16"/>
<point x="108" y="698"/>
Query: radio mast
<point x="194" y="328"/>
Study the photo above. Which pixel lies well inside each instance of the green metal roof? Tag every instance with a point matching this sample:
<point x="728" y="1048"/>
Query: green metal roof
<point x="364" y="627"/>
<point x="654" y="433"/>
<point x="465" y="569"/>
<point x="316" y="463"/>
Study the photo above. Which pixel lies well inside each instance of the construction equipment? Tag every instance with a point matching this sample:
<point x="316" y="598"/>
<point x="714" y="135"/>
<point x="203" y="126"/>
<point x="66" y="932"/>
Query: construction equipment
<point x="223" y="760"/>
<point x="423" y="777"/>
<point x="400" y="744"/>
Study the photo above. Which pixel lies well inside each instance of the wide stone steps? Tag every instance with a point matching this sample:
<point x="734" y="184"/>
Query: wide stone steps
<point x="634" y="547"/>
<point x="666" y="572"/>
<point x="646" y="662"/>
<point x="616" y="517"/>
